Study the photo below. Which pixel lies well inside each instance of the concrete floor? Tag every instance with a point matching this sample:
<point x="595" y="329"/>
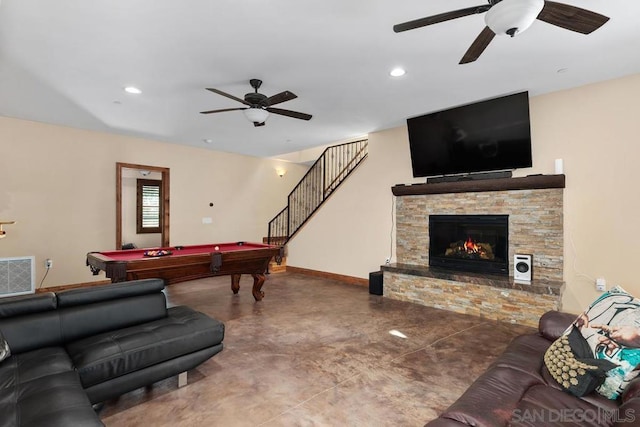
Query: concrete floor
<point x="317" y="352"/>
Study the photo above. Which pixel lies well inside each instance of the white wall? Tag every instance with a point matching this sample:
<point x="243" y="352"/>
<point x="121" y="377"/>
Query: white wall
<point x="59" y="185"/>
<point x="351" y="234"/>
<point x="593" y="128"/>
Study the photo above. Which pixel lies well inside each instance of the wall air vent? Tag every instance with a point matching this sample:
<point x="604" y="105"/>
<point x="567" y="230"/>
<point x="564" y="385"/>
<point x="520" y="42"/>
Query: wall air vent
<point x="17" y="276"/>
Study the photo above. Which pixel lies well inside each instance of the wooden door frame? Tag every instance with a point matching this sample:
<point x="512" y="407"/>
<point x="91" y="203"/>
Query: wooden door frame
<point x="165" y="200"/>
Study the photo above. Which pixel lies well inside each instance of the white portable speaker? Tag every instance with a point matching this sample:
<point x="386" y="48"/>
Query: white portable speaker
<point x="522" y="268"/>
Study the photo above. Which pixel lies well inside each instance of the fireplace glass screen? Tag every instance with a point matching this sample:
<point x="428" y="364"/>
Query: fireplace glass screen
<point x="477" y="243"/>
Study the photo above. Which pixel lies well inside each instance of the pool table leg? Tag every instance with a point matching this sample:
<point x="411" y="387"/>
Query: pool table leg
<point x="235" y="283"/>
<point x="258" y="281"/>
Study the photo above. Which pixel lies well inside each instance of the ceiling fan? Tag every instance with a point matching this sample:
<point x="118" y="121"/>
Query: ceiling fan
<point x="259" y="106"/>
<point x="512" y="17"/>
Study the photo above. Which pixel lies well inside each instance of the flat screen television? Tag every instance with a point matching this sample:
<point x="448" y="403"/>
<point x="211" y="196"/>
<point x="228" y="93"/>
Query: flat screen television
<point x="491" y="135"/>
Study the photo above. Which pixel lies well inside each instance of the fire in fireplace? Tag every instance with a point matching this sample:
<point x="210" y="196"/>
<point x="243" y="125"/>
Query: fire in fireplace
<point x="477" y="243"/>
<point x="469" y="249"/>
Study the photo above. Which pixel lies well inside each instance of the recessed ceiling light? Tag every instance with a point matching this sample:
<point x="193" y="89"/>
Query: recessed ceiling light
<point x="397" y="72"/>
<point x="132" y="89"/>
<point x="208" y="141"/>
<point x="562" y="70"/>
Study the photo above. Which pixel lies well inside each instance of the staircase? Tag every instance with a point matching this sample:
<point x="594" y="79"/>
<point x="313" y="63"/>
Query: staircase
<point x="323" y="178"/>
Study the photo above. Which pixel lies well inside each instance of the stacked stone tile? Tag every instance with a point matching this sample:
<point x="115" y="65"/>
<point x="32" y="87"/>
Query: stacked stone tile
<point x="535" y="227"/>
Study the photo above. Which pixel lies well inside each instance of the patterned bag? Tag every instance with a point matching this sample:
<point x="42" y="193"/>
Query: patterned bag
<point x="571" y="363"/>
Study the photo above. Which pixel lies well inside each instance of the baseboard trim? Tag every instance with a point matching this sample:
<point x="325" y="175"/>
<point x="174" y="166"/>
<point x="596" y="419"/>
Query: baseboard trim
<point x="326" y="275"/>
<point x="73" y="286"/>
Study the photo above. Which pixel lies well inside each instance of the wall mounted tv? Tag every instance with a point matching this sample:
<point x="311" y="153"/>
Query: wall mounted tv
<point x="491" y="135"/>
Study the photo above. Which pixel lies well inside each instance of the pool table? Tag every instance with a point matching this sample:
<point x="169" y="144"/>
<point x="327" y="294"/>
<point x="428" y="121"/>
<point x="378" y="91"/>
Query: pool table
<point x="181" y="263"/>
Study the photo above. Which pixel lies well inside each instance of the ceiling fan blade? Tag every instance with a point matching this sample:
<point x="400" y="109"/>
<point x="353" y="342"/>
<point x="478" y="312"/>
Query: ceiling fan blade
<point x="256" y="124"/>
<point x="571" y="17"/>
<point x="447" y="16"/>
<point x="281" y="97"/>
<point x="222" y="110"/>
<point x="235" y="98"/>
<point x="289" y="113"/>
<point x="478" y="46"/>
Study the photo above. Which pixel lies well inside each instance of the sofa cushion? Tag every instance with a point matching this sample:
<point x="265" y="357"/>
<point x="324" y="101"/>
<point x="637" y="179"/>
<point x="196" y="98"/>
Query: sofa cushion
<point x="132" y="288"/>
<point x="545" y="406"/>
<point x="111" y="354"/>
<point x="29" y="366"/>
<point x="27" y="304"/>
<point x="29" y="322"/>
<point x="82" y="321"/>
<point x="524" y="354"/>
<point x="88" y="311"/>
<point x="502" y="387"/>
<point x="32" y="331"/>
<point x="41" y="388"/>
<point x="56" y="400"/>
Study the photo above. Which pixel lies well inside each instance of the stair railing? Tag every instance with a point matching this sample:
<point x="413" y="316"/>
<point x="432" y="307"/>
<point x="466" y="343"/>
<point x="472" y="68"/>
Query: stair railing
<point x="333" y="166"/>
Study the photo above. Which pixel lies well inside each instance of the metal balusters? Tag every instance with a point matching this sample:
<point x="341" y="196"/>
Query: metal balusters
<point x="327" y="173"/>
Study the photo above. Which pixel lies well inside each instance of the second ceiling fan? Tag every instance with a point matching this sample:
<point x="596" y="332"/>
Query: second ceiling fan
<point x="258" y="106"/>
<point x="512" y="17"/>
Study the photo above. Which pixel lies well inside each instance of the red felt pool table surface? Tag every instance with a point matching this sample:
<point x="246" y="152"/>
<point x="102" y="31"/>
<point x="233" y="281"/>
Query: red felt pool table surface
<point x="131" y="254"/>
<point x="189" y="263"/>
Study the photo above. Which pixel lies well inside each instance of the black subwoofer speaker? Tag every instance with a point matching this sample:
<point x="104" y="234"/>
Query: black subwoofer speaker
<point x="375" y="283"/>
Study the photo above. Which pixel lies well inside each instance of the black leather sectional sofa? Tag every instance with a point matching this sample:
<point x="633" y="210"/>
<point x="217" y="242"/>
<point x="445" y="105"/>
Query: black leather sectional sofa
<point x="79" y="347"/>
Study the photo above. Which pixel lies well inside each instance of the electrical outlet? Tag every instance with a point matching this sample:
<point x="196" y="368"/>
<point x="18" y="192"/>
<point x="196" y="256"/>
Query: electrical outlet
<point x="48" y="263"/>
<point x="601" y="284"/>
<point x="387" y="261"/>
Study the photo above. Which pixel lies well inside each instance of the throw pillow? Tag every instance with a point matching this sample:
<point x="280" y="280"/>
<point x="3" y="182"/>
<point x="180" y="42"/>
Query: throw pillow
<point x="611" y="328"/>
<point x="5" y="351"/>
<point x="571" y="363"/>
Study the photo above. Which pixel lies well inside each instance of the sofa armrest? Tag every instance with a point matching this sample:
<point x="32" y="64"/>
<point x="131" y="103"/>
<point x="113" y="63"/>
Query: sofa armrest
<point x="552" y="324"/>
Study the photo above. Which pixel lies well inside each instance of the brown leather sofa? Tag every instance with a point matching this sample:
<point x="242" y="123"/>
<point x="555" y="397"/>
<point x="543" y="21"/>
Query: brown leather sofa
<point x="517" y="389"/>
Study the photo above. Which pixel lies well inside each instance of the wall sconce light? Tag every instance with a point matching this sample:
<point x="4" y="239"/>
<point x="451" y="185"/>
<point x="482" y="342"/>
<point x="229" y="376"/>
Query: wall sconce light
<point x="281" y="172"/>
<point x="2" y="232"/>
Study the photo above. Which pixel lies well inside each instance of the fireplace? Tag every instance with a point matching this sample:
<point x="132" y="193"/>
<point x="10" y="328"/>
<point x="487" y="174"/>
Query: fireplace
<point x="477" y="243"/>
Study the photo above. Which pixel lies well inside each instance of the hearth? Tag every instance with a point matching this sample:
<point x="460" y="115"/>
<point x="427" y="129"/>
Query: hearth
<point x="476" y="243"/>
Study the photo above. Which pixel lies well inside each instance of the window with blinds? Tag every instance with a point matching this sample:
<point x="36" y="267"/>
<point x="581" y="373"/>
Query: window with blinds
<point x="149" y="206"/>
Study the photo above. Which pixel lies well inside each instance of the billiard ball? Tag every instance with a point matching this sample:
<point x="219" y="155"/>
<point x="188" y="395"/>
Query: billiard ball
<point x="217" y="248"/>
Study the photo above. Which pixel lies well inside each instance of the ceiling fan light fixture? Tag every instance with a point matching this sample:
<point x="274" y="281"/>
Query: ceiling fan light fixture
<point x="513" y="16"/>
<point x="256" y="114"/>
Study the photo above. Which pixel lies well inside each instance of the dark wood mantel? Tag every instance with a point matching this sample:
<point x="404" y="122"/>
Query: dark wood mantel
<point x="531" y="182"/>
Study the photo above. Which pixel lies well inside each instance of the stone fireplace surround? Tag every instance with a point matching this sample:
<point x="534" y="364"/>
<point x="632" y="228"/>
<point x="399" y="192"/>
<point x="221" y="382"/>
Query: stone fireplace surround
<point x="535" y="208"/>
